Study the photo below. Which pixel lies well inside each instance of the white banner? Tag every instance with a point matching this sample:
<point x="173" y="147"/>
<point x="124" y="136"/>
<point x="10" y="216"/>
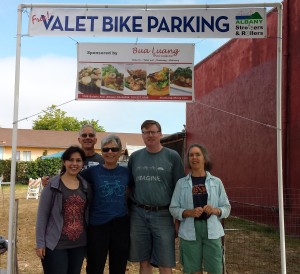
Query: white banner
<point x="166" y="23"/>
<point x="149" y="72"/>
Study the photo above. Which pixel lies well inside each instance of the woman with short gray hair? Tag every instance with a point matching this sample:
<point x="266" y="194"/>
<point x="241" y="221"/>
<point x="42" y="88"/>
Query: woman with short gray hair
<point x="108" y="231"/>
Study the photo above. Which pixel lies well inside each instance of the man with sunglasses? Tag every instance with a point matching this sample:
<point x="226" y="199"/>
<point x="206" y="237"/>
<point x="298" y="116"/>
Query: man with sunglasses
<point x="155" y="171"/>
<point x="87" y="139"/>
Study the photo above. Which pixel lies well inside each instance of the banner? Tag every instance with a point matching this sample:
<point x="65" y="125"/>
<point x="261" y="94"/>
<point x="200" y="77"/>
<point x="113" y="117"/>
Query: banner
<point x="165" y="23"/>
<point x="149" y="72"/>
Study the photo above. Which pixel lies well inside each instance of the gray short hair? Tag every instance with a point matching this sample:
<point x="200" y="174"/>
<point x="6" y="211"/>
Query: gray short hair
<point x="111" y="138"/>
<point x="85" y="126"/>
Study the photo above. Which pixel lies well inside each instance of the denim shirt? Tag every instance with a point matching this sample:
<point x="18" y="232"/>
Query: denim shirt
<point x="182" y="199"/>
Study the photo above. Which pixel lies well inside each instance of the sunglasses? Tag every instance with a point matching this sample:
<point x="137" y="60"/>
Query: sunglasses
<point x="113" y="149"/>
<point x="90" y="135"/>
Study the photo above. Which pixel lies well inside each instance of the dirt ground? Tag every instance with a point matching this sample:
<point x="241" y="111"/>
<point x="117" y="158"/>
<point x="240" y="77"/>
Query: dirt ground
<point x="247" y="251"/>
<point x="28" y="262"/>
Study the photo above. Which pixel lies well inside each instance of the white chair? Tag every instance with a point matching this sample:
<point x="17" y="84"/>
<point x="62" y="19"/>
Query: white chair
<point x="3" y="183"/>
<point x="34" y="188"/>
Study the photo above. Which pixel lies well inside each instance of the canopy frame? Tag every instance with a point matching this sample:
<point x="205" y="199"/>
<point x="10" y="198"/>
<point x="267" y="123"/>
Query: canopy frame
<point x="11" y="244"/>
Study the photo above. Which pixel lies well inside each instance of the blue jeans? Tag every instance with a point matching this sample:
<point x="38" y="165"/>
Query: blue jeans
<point x="64" y="261"/>
<point x="152" y="237"/>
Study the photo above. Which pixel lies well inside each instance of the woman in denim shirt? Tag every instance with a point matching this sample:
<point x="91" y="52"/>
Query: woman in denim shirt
<point x="199" y="202"/>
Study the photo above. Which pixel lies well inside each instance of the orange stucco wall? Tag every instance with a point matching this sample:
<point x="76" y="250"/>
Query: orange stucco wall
<point x="35" y="152"/>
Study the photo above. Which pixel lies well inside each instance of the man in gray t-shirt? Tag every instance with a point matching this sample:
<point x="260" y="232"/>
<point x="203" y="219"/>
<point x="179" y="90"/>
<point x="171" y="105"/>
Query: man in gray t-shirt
<point x="155" y="171"/>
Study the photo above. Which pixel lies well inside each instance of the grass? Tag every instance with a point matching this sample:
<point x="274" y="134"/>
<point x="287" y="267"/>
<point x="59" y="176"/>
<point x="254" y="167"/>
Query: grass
<point x="255" y="248"/>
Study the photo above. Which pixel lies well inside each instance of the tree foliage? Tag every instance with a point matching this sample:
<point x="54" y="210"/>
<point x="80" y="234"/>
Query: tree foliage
<point x="54" y="118"/>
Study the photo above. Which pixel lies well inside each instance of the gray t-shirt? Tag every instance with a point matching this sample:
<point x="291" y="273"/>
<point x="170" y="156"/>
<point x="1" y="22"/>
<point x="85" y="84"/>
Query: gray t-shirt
<point x="155" y="176"/>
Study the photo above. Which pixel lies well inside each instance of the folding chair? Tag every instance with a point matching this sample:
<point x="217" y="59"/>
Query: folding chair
<point x="34" y="188"/>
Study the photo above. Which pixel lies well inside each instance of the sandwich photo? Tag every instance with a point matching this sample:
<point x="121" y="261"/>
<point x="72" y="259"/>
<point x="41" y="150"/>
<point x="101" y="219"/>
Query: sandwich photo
<point x="158" y="83"/>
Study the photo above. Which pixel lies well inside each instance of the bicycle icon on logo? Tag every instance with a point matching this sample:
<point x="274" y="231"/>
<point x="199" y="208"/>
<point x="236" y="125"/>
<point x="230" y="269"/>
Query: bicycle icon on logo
<point x="109" y="189"/>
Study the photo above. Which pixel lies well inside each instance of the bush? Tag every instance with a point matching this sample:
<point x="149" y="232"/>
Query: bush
<point x="22" y="172"/>
<point x="50" y="166"/>
<point x="5" y="166"/>
<point x="30" y="169"/>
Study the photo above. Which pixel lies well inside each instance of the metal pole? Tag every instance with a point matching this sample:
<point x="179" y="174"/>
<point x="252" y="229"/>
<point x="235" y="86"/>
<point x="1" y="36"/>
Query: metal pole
<point x="11" y="242"/>
<point x="279" y="140"/>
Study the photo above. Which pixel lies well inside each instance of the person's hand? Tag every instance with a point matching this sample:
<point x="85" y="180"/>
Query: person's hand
<point x="40" y="252"/>
<point x="194" y="213"/>
<point x="45" y="180"/>
<point x="211" y="210"/>
<point x="197" y="212"/>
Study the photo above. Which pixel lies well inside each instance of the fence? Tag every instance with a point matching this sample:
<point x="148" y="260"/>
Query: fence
<point x="252" y="238"/>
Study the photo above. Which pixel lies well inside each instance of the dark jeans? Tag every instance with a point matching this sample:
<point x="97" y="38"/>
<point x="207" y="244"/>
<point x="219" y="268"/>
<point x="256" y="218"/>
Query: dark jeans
<point x="111" y="238"/>
<point x="64" y="261"/>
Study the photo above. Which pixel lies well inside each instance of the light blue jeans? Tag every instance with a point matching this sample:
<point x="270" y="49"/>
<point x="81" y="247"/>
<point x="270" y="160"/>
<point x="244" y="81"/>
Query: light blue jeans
<point x="152" y="237"/>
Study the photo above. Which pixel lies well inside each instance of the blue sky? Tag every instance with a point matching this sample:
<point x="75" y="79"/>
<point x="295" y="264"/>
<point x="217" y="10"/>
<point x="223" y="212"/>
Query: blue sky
<point x="48" y="75"/>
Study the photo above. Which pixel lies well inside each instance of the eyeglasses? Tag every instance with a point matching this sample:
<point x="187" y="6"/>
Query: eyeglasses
<point x="113" y="149"/>
<point x="90" y="135"/>
<point x="150" y="132"/>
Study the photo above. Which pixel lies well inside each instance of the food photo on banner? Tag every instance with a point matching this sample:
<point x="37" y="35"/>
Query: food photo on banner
<point x="151" y="72"/>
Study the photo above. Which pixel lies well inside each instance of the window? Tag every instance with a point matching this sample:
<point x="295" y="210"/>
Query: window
<point x="17" y="155"/>
<point x="26" y="155"/>
<point x="1" y="153"/>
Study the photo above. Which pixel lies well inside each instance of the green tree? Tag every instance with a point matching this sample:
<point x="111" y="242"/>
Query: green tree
<point x="94" y="123"/>
<point x="54" y="118"/>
